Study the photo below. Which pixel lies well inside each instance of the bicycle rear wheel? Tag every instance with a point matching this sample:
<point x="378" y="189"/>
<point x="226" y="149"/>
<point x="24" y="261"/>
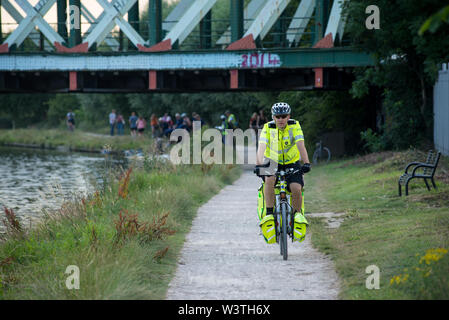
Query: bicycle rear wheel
<point x="284" y="231"/>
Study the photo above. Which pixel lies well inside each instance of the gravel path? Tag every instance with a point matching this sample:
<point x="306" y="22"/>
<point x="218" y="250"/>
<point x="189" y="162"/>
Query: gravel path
<point x="224" y="257"/>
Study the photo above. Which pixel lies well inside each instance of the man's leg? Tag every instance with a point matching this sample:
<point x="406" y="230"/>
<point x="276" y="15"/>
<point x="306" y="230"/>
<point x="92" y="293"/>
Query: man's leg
<point x="269" y="193"/>
<point x="296" y="189"/>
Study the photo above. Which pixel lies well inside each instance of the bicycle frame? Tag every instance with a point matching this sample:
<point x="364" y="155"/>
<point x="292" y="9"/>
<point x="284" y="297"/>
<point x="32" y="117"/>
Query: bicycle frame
<point x="283" y="211"/>
<point x="283" y="215"/>
<point x="282" y="198"/>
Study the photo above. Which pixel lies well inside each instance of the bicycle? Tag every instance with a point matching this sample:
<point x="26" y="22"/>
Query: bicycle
<point x="321" y="154"/>
<point x="283" y="210"/>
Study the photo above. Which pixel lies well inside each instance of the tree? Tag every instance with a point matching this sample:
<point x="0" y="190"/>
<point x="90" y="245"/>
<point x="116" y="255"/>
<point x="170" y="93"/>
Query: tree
<point x="435" y="21"/>
<point x="406" y="64"/>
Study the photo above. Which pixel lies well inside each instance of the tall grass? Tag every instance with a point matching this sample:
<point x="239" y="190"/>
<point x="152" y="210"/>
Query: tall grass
<point x="125" y="240"/>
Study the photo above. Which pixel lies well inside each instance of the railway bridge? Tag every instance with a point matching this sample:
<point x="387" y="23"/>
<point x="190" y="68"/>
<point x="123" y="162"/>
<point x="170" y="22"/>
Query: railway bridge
<point x="200" y="45"/>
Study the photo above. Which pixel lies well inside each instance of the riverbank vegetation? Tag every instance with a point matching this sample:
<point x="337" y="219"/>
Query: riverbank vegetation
<point x="74" y="141"/>
<point x="407" y="238"/>
<point x="124" y="239"/>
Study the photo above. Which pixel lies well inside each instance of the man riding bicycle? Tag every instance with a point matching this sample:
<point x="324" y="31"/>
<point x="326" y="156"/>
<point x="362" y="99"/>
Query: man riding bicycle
<point x="282" y="143"/>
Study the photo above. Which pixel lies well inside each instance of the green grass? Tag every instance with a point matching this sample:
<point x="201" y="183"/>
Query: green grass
<point x="381" y="228"/>
<point x="77" y="140"/>
<point x="117" y="260"/>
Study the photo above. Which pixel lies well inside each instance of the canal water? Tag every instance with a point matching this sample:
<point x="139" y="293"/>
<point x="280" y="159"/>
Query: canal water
<point x="33" y="180"/>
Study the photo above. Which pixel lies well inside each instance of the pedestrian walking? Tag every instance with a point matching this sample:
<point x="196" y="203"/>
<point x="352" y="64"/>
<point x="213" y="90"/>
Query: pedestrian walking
<point x="141" y="124"/>
<point x="71" y="120"/>
<point x="112" y="120"/>
<point x="120" y="124"/>
<point x="133" y="124"/>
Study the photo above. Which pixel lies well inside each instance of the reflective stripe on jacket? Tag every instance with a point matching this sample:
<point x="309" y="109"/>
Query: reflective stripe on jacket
<point x="281" y="144"/>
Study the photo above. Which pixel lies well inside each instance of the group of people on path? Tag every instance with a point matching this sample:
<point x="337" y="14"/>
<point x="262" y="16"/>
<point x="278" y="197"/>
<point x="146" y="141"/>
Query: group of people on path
<point x="136" y="123"/>
<point x="160" y="127"/>
<point x="165" y="125"/>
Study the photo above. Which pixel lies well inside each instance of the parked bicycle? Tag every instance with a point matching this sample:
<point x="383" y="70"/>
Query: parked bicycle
<point x="283" y="210"/>
<point x="321" y="154"/>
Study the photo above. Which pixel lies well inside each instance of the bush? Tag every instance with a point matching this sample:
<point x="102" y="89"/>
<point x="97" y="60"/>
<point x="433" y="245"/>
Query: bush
<point x="373" y="142"/>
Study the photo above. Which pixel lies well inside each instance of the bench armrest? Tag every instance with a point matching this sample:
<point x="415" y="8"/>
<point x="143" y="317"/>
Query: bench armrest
<point x="413" y="164"/>
<point x="422" y="165"/>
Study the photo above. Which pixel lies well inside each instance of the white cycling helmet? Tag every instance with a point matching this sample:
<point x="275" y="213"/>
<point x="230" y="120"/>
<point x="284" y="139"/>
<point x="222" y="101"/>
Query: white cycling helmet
<point x="280" y="108"/>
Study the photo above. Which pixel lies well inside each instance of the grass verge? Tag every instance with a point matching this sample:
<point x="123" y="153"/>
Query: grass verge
<point x="405" y="237"/>
<point x="77" y="140"/>
<point x="125" y="241"/>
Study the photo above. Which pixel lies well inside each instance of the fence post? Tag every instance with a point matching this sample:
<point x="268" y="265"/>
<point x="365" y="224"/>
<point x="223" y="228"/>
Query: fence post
<point x="441" y="111"/>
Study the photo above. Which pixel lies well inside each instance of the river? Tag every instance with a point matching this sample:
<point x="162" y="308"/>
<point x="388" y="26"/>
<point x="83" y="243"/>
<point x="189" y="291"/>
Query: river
<point x="35" y="179"/>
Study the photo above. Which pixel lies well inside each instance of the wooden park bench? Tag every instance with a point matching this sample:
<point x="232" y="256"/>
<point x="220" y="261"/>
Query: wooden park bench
<point x="428" y="171"/>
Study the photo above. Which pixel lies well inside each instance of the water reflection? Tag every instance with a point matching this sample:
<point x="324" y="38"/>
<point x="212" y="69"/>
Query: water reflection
<point x="35" y="179"/>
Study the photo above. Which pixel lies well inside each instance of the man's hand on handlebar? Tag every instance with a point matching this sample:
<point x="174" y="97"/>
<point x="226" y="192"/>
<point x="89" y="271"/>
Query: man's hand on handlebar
<point x="262" y="170"/>
<point x="306" y="167"/>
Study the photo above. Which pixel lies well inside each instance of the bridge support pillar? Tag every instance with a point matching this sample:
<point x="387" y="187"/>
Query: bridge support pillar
<point x="152" y="80"/>
<point x="62" y="20"/>
<point x="321" y="18"/>
<point x="1" y="32"/>
<point x="73" y="81"/>
<point x="236" y="20"/>
<point x="133" y="19"/>
<point x="318" y="77"/>
<point x="206" y="31"/>
<point x="234" y="79"/>
<point x="155" y="23"/>
<point x="75" y="33"/>
<point x="280" y="38"/>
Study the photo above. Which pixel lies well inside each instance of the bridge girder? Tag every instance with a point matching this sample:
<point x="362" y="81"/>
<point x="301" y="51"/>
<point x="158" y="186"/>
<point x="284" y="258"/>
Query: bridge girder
<point x="180" y="72"/>
<point x="259" y="17"/>
<point x="255" y="22"/>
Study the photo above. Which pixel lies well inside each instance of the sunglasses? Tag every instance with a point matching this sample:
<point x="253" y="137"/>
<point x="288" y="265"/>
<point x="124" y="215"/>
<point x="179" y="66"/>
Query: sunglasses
<point x="283" y="116"/>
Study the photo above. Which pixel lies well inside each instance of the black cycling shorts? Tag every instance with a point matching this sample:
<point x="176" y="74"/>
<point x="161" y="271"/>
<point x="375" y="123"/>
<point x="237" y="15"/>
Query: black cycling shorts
<point x="293" y="178"/>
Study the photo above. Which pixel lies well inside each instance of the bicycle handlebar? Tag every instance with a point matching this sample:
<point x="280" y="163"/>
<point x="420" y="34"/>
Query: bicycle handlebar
<point x="277" y="173"/>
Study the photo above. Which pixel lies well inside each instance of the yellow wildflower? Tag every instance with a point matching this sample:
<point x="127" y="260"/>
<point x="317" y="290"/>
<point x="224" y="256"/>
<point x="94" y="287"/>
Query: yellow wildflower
<point x="433" y="255"/>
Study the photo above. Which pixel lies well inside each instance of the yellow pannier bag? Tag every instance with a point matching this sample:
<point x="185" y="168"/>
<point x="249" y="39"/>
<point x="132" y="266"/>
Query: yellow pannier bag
<point x="261" y="206"/>
<point x="300" y="227"/>
<point x="267" y="222"/>
<point x="268" y="229"/>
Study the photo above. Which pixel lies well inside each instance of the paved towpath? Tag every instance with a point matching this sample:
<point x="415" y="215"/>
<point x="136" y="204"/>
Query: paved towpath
<point x="224" y="257"/>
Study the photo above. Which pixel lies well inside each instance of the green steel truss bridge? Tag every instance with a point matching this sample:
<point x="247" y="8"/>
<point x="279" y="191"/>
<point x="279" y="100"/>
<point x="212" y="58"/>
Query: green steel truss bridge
<point x="260" y="45"/>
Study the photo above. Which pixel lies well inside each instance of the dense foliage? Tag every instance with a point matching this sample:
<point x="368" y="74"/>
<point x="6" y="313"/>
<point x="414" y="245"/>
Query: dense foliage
<point x="407" y="66"/>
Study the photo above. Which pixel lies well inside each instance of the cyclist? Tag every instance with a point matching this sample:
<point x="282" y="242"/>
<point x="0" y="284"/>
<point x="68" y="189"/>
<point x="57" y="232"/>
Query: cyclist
<point x="282" y="143"/>
<point x="232" y="121"/>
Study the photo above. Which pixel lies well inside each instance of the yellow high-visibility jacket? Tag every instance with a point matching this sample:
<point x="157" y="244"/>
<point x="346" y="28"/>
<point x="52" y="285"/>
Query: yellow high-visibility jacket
<point x="281" y="144"/>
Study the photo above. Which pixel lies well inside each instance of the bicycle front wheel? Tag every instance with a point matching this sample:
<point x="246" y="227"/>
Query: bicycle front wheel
<point x="284" y="231"/>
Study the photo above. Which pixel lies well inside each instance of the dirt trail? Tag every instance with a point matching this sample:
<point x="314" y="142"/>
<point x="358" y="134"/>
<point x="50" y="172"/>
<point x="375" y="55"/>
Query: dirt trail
<point x="224" y="257"/>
